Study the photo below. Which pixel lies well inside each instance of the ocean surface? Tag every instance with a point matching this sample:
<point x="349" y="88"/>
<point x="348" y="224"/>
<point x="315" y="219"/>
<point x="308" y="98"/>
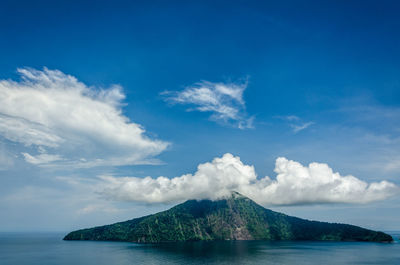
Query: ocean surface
<point x="49" y="248"/>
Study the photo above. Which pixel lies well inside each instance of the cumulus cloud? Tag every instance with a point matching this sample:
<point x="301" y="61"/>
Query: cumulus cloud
<point x="223" y="100"/>
<point x="294" y="184"/>
<point x="78" y="125"/>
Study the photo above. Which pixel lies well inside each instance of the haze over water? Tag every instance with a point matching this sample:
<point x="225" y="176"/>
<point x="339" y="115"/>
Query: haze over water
<point x="49" y="248"/>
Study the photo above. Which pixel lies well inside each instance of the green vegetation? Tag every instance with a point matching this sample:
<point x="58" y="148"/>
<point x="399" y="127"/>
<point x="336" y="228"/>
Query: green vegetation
<point x="236" y="218"/>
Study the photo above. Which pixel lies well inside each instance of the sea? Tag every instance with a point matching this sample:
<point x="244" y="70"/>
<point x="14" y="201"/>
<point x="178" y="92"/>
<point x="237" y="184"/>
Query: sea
<point x="49" y="248"/>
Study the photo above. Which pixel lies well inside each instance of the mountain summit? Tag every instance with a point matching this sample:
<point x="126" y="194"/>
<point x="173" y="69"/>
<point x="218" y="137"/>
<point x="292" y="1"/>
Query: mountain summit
<point x="233" y="218"/>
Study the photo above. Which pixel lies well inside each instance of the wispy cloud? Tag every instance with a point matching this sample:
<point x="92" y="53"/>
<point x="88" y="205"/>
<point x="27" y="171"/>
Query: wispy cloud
<point x="290" y="118"/>
<point x="294" y="184"/>
<point x="383" y="120"/>
<point x="393" y="164"/>
<point x="296" y="122"/>
<point x="223" y="100"/>
<point x="299" y="127"/>
<point x="41" y="159"/>
<point x="6" y="158"/>
<point x="63" y="122"/>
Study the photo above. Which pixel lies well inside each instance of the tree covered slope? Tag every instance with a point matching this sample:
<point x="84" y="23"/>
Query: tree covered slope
<point x="235" y="218"/>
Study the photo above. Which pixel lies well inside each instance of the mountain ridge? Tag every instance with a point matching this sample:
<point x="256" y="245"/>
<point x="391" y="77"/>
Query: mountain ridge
<point x="234" y="218"/>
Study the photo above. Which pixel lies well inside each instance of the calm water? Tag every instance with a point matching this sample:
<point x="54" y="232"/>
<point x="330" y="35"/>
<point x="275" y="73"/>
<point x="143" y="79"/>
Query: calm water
<point x="42" y="249"/>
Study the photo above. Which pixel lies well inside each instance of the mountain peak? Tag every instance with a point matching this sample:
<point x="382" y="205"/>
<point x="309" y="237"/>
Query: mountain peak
<point x="237" y="195"/>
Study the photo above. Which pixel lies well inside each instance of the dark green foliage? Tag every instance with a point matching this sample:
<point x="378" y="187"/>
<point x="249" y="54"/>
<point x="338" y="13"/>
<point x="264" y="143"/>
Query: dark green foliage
<point x="236" y="218"/>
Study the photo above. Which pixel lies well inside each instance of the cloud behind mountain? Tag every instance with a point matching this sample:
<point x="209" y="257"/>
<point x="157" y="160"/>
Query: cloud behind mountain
<point x="294" y="184"/>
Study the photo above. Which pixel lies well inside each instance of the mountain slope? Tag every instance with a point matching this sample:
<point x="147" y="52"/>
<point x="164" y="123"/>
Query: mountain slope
<point x="235" y="218"/>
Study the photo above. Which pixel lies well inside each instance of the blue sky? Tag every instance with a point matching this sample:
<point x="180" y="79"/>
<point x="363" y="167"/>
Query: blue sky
<point x="318" y="81"/>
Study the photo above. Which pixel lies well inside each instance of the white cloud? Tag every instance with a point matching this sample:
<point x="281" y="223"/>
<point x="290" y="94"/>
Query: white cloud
<point x="317" y="183"/>
<point x="79" y="125"/>
<point x="295" y="122"/>
<point x="294" y="184"/>
<point x="27" y="132"/>
<point x="41" y="159"/>
<point x="224" y="100"/>
<point x="290" y="118"/>
<point x="299" y="127"/>
<point x="212" y="180"/>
